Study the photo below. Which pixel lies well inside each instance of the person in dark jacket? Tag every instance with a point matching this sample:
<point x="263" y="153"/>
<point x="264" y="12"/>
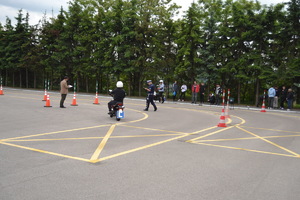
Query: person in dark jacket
<point x="150" y="96"/>
<point x="289" y="98"/>
<point x="283" y="94"/>
<point x="118" y="95"/>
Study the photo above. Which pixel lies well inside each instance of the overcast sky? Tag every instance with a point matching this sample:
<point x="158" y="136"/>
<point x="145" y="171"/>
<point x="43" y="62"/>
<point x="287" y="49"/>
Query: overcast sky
<point x="37" y="8"/>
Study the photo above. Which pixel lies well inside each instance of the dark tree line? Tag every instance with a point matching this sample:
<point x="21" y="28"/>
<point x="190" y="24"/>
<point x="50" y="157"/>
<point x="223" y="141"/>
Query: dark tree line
<point x="241" y="45"/>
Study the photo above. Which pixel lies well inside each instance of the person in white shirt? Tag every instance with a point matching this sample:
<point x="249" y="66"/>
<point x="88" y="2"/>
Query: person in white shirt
<point x="183" y="90"/>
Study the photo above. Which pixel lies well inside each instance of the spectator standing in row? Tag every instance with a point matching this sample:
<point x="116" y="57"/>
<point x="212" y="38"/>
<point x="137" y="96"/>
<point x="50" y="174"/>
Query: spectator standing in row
<point x="289" y="98"/>
<point x="218" y="92"/>
<point x="183" y="91"/>
<point x="271" y="95"/>
<point x="195" y="91"/>
<point x="283" y="94"/>
<point x="175" y="90"/>
<point x="275" y="103"/>
<point x="202" y="92"/>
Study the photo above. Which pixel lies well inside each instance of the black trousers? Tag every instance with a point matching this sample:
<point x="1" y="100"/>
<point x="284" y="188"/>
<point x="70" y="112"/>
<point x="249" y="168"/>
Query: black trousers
<point x="62" y="100"/>
<point x="150" y="99"/>
<point x="110" y="104"/>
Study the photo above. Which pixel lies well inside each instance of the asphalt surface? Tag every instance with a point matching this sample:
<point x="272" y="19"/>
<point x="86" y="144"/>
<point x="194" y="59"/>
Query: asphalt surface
<point x="177" y="152"/>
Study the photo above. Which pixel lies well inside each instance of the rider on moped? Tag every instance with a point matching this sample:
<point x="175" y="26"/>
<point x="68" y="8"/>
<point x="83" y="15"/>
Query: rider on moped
<point x="118" y="95"/>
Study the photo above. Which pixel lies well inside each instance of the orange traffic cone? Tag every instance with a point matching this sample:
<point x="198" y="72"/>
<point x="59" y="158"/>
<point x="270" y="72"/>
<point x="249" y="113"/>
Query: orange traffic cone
<point x="74" y="100"/>
<point x="96" y="99"/>
<point x="222" y="120"/>
<point x="48" y="101"/>
<point x="45" y="96"/>
<point x="263" y="108"/>
<point x="1" y="90"/>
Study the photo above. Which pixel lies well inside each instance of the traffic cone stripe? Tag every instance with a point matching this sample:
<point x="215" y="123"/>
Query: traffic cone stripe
<point x="263" y="108"/>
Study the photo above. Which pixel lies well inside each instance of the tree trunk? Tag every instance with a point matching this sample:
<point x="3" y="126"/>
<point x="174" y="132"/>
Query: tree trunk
<point x="239" y="92"/>
<point x="87" y="84"/>
<point x="27" y="78"/>
<point x="20" y="74"/>
<point x="257" y="92"/>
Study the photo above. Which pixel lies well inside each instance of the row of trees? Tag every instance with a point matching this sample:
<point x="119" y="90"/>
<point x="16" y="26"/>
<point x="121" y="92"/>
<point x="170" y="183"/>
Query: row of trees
<point x="240" y="44"/>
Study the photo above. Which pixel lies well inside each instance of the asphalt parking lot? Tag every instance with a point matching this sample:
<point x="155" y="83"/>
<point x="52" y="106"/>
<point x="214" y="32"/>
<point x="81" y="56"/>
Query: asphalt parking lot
<point x="177" y="152"/>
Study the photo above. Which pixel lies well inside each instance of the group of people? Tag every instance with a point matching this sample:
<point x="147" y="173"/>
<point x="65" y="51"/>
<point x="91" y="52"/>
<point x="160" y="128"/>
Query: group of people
<point x="274" y="94"/>
<point x="272" y="97"/>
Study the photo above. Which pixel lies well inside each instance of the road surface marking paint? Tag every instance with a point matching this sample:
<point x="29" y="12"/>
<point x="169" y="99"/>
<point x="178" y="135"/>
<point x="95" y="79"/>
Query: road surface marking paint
<point x="46" y="152"/>
<point x="102" y="143"/>
<point x="237" y="148"/>
<point x="285" y="149"/>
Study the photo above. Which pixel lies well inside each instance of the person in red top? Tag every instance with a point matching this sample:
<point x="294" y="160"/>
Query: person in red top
<point x="195" y="91"/>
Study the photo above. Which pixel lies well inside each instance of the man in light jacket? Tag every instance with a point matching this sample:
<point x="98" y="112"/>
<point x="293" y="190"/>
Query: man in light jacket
<point x="64" y="91"/>
<point x="271" y="94"/>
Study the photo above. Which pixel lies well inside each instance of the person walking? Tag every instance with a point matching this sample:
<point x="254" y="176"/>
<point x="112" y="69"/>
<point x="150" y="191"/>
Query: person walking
<point x="195" y="90"/>
<point x="183" y="91"/>
<point x="175" y="90"/>
<point x="161" y="90"/>
<point x="150" y="96"/>
<point x="202" y="92"/>
<point x="289" y="98"/>
<point x="271" y="95"/>
<point x="64" y="90"/>
<point x="283" y="94"/>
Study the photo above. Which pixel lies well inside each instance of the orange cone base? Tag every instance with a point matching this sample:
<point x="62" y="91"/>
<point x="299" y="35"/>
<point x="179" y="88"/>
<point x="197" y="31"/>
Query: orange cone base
<point x="222" y="125"/>
<point x="47" y="106"/>
<point x="263" y="111"/>
<point x="74" y="104"/>
<point x="96" y="103"/>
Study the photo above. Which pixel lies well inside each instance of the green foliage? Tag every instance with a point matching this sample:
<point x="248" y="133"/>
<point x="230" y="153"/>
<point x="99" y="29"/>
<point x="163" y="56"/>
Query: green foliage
<point x="240" y="44"/>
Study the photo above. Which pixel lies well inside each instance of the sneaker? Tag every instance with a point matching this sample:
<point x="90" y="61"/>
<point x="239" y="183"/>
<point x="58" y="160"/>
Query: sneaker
<point x="146" y="109"/>
<point x="155" y="109"/>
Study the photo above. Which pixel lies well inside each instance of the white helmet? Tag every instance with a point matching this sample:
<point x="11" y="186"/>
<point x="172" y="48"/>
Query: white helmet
<point x="119" y="84"/>
<point x="161" y="81"/>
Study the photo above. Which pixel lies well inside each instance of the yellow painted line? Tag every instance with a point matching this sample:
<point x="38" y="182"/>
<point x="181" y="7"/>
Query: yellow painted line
<point x="247" y="138"/>
<point x="92" y="138"/>
<point x="102" y="143"/>
<point x="137" y="149"/>
<point x="209" y="134"/>
<point x="285" y="149"/>
<point x="46" y="152"/>
<point x="257" y="151"/>
<point x="55" y="132"/>
<point x="153" y="129"/>
<point x="277" y="130"/>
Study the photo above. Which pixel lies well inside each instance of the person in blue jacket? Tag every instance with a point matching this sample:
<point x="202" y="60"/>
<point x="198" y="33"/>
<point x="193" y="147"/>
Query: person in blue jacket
<point x="150" y="95"/>
<point x="271" y="95"/>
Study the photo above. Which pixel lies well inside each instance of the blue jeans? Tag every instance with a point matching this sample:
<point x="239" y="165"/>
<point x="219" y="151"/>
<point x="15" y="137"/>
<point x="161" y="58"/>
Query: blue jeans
<point x="289" y="102"/>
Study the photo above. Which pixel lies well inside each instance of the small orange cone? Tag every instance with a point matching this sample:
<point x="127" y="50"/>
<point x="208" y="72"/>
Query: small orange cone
<point x="96" y="99"/>
<point x="1" y="90"/>
<point x="48" y="101"/>
<point x="222" y="120"/>
<point x="74" y="100"/>
<point x="45" y="96"/>
<point x="263" y="108"/>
